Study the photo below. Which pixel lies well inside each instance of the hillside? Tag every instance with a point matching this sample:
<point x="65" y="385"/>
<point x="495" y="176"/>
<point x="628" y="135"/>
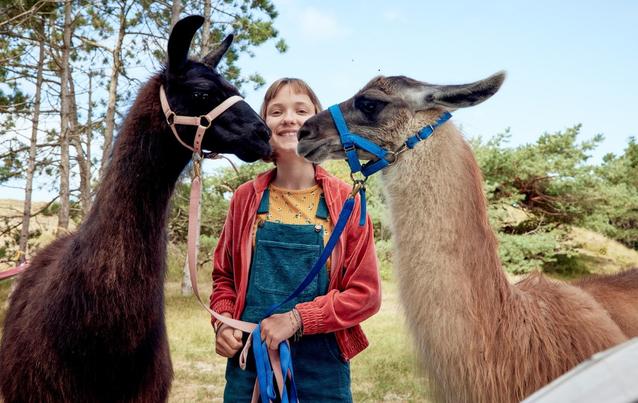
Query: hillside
<point x="11" y="214"/>
<point x="597" y="253"/>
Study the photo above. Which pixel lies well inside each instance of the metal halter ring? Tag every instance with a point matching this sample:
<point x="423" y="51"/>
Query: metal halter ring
<point x="357" y="184"/>
<point x="205" y="118"/>
<point x="393" y="157"/>
<point x="349" y="148"/>
<point x="170" y="118"/>
<point x="355" y="180"/>
<point x="356" y="187"/>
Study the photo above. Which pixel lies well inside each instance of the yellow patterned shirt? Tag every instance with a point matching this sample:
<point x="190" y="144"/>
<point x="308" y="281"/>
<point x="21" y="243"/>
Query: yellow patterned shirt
<point x="295" y="207"/>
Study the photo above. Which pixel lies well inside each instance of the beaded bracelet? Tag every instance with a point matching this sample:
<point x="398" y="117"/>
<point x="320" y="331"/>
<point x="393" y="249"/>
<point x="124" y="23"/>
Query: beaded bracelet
<point x="299" y="332"/>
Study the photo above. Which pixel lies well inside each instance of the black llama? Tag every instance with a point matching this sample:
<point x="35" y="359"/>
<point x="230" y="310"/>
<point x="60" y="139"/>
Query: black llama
<point x="86" y="321"/>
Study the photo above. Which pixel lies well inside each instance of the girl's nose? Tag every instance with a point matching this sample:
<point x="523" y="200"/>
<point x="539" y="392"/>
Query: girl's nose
<point x="289" y="117"/>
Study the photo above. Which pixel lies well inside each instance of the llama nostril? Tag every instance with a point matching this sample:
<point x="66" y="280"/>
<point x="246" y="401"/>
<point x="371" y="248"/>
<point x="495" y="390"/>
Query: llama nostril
<point x="263" y="132"/>
<point x="303" y="132"/>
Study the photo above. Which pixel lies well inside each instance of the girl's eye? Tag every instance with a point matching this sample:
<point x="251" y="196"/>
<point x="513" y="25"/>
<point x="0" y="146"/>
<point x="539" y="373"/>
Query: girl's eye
<point x="302" y="111"/>
<point x="275" y="113"/>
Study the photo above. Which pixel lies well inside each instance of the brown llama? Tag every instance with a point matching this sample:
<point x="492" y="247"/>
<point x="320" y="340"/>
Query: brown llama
<point x="86" y="321"/>
<point x="479" y="338"/>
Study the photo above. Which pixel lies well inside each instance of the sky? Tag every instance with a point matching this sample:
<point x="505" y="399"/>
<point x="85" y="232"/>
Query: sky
<point x="567" y="62"/>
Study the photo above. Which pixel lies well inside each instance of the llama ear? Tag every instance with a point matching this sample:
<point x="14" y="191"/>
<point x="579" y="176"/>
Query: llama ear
<point x="180" y="39"/>
<point x="215" y="56"/>
<point x="464" y="95"/>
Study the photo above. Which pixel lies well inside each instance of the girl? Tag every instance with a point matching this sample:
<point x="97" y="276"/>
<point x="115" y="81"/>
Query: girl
<point x="275" y="230"/>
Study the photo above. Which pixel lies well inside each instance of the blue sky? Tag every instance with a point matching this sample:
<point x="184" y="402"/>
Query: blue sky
<point x="567" y="62"/>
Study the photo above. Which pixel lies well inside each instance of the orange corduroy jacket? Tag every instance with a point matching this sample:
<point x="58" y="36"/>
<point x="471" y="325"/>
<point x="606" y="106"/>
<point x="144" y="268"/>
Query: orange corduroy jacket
<point x="354" y="291"/>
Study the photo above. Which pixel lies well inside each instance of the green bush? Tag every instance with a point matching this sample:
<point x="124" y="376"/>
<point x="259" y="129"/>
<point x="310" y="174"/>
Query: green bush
<point x="384" y="254"/>
<point x="535" y="192"/>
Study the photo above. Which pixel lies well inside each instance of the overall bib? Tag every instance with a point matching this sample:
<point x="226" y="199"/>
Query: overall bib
<point x="282" y="256"/>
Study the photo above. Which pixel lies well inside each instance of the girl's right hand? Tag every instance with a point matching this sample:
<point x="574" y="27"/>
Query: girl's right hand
<point x="228" y="340"/>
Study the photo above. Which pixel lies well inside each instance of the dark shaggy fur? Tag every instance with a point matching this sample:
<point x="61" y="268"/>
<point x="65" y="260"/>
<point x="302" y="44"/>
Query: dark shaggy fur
<point x="86" y="321"/>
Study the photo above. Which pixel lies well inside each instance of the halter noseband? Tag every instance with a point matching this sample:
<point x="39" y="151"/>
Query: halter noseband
<point x="351" y="141"/>
<point x="202" y="122"/>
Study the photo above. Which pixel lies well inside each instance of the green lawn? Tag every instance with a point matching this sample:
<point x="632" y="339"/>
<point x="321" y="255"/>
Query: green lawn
<point x="385" y="371"/>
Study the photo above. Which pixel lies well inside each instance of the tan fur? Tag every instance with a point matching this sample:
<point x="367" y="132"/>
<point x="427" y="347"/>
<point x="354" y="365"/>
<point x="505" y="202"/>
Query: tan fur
<point x="478" y="337"/>
<point x="481" y="339"/>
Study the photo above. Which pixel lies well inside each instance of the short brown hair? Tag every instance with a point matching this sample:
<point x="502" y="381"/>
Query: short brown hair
<point x="297" y="85"/>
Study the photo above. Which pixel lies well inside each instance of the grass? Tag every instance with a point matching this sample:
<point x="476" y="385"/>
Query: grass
<point x="385" y="371"/>
<point x="597" y="254"/>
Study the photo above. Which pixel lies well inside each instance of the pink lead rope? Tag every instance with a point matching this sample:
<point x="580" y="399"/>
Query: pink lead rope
<point x="13" y="271"/>
<point x="203" y="122"/>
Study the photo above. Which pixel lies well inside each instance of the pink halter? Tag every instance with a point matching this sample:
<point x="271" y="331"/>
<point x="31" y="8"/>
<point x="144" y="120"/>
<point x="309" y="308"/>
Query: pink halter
<point x="202" y="122"/>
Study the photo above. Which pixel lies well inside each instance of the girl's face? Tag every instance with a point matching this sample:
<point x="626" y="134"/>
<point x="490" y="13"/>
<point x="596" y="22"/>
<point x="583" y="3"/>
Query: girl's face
<point x="285" y="114"/>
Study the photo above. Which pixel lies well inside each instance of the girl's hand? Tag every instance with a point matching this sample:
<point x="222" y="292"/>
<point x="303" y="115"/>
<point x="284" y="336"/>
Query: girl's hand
<point x="228" y="340"/>
<point x="277" y="328"/>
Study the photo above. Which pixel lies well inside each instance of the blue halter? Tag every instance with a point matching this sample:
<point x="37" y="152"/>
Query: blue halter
<point x="384" y="158"/>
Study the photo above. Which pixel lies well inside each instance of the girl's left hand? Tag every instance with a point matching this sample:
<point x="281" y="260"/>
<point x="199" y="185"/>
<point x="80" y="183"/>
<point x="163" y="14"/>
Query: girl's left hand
<point x="277" y="328"/>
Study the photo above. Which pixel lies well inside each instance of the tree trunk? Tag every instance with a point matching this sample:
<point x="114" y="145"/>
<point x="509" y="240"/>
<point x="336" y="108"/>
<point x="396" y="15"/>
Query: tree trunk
<point x="89" y="129"/>
<point x="75" y="138"/>
<point x="112" y="103"/>
<point x="28" y="188"/>
<point x="187" y="289"/>
<point x="206" y="30"/>
<point x="63" y="214"/>
<point x="176" y="9"/>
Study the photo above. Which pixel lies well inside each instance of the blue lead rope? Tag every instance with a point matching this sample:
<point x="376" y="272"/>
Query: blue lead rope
<point x="265" y="372"/>
<point x="350" y="142"/>
<point x="260" y="350"/>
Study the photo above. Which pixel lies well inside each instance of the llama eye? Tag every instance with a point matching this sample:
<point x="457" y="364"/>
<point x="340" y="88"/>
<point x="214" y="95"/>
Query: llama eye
<point x="200" y="96"/>
<point x="369" y="106"/>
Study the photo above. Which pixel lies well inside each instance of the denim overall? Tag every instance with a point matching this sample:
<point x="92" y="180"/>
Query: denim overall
<point x="283" y="255"/>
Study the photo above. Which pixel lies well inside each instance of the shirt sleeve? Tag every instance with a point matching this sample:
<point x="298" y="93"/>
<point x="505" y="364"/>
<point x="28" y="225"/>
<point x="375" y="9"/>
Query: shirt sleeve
<point x="358" y="295"/>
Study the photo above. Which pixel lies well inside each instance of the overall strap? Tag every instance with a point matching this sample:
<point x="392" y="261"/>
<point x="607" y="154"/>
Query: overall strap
<point x="322" y="208"/>
<point x="264" y="204"/>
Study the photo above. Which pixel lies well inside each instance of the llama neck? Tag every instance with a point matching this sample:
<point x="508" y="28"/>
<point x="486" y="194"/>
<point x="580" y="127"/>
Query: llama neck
<point x="127" y="224"/>
<point x="447" y="261"/>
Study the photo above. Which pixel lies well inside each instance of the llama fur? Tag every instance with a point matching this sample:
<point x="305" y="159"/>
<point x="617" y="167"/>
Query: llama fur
<point x="478" y="337"/>
<point x="86" y="320"/>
